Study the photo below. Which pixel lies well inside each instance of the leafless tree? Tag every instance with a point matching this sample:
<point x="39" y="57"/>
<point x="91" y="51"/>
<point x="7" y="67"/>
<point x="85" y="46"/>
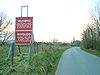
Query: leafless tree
<point x="4" y="23"/>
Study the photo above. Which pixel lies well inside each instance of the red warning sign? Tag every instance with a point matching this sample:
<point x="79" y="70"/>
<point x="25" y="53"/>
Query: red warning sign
<point x="24" y="30"/>
<point x="24" y="23"/>
<point x="23" y="37"/>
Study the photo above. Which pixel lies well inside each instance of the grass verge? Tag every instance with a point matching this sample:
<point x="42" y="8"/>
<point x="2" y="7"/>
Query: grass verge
<point x="94" y="52"/>
<point x="43" y="63"/>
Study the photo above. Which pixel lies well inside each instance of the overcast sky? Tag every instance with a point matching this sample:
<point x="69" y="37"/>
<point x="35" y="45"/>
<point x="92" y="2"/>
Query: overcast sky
<point x="60" y="19"/>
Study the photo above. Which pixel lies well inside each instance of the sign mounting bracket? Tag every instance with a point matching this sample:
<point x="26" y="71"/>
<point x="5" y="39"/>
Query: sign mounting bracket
<point x="24" y="6"/>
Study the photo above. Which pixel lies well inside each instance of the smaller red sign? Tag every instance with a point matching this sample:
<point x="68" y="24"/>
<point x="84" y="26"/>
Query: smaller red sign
<point x="24" y="23"/>
<point x="23" y="37"/>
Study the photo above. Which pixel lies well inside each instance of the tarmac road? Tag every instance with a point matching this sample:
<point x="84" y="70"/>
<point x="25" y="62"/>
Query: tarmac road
<point x="74" y="61"/>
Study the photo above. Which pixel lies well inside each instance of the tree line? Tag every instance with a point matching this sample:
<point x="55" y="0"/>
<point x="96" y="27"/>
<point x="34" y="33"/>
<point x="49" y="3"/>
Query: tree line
<point x="91" y="34"/>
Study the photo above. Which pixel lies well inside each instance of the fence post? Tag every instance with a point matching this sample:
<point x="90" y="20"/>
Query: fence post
<point x="11" y="52"/>
<point x="30" y="48"/>
<point x="37" y="47"/>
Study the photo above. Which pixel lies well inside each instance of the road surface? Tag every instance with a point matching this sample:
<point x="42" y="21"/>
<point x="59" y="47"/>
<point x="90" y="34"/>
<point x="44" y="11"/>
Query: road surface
<point x="74" y="61"/>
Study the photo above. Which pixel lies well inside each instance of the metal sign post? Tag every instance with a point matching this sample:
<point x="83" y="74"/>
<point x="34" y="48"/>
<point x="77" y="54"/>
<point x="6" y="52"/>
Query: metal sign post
<point x="24" y="30"/>
<point x="24" y="6"/>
